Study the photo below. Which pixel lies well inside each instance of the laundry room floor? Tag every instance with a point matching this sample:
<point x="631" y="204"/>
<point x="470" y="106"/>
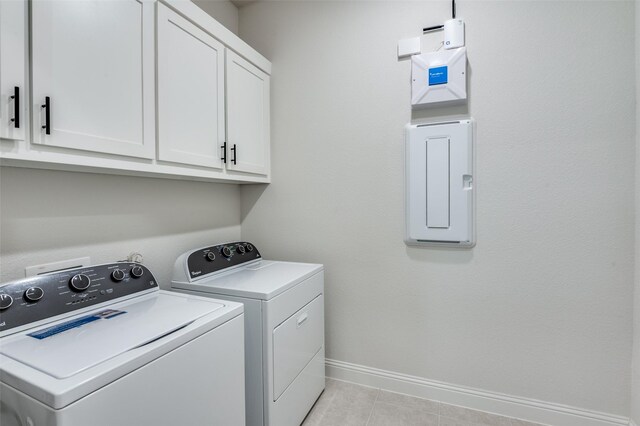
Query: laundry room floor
<point x="348" y="404"/>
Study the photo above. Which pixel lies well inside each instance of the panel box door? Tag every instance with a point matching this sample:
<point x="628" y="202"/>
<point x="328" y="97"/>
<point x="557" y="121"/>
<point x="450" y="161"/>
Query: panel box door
<point x="439" y="184"/>
<point x="191" y="127"/>
<point x="247" y="116"/>
<point x="93" y="75"/>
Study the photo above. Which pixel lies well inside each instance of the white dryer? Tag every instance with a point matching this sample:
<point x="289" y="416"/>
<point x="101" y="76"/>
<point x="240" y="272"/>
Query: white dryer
<point x="284" y="324"/>
<point x="103" y="346"/>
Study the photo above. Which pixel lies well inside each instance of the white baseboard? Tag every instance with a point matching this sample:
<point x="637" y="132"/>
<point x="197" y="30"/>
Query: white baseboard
<point x="477" y="399"/>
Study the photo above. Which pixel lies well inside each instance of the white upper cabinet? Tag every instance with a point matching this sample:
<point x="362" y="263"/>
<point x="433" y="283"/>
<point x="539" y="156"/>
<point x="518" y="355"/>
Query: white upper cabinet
<point x="93" y="75"/>
<point x="247" y="116"/>
<point x="191" y="126"/>
<point x="141" y="87"/>
<point x="13" y="44"/>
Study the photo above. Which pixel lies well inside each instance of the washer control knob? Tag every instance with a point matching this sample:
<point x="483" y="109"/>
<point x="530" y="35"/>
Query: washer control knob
<point x="226" y="251"/>
<point x="33" y="294"/>
<point x="5" y="301"/>
<point x="240" y="249"/>
<point x="80" y="282"/>
<point x="137" y="271"/>
<point x="211" y="256"/>
<point x="249" y="247"/>
<point x="118" y="275"/>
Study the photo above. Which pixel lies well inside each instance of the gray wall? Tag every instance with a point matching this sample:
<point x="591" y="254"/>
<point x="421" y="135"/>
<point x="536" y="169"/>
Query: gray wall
<point x="542" y="306"/>
<point x="49" y="215"/>
<point x="223" y="11"/>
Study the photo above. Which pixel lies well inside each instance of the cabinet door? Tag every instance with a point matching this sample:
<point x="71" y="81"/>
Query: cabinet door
<point x="94" y="62"/>
<point x="247" y="116"/>
<point x="13" y="43"/>
<point x="190" y="93"/>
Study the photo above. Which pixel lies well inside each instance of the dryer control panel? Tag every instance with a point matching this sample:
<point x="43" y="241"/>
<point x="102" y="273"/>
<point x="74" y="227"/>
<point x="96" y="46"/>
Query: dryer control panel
<point x="45" y="296"/>
<point x="205" y="261"/>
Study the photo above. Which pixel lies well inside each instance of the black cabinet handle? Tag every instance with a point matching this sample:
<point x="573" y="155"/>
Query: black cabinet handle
<point x="16" y="107"/>
<point x="47" y="115"/>
<point x="235" y="153"/>
<point x="224" y="153"/>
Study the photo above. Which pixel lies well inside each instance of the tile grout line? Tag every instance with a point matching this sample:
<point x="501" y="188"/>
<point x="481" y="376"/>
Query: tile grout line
<point x="373" y="407"/>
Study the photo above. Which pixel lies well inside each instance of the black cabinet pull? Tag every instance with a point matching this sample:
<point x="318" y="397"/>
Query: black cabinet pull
<point x="16" y="107"/>
<point x="224" y="153"/>
<point x="47" y="115"/>
<point x="235" y="153"/>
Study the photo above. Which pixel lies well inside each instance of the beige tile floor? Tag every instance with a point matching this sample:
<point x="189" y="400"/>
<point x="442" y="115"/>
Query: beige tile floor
<point x="348" y="404"/>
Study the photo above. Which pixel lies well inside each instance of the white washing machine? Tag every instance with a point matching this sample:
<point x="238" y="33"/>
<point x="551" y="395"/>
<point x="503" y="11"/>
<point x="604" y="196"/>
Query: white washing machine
<point x="284" y="324"/>
<point x="103" y="346"/>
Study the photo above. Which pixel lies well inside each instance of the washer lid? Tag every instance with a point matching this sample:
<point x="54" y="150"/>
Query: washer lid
<point x="69" y="347"/>
<point x="262" y="280"/>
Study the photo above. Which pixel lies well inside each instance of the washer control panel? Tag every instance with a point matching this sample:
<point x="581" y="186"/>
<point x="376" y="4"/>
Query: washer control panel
<point x="216" y="258"/>
<point x="37" y="298"/>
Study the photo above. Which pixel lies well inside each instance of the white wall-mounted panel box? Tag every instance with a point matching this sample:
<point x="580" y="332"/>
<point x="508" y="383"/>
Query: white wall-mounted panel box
<point x="439" y="184"/>
<point x="439" y="78"/>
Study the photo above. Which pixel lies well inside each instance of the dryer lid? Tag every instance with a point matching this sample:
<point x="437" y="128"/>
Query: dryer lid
<point x="69" y="347"/>
<point x="262" y="280"/>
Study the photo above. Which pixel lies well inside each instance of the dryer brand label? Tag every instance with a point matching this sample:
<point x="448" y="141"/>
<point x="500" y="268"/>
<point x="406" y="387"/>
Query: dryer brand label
<point x="60" y="328"/>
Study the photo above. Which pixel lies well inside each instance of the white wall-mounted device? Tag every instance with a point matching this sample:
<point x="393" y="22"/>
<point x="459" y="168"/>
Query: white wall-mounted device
<point x="408" y="47"/>
<point x="439" y="184"/>
<point x="453" y="33"/>
<point x="439" y="78"/>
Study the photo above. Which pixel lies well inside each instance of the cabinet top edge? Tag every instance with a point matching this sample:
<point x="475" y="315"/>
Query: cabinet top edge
<point x="191" y="11"/>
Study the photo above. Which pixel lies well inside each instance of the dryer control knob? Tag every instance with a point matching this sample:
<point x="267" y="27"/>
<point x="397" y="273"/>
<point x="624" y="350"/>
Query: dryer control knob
<point x="5" y="301"/>
<point x="226" y="251"/>
<point x="33" y="294"/>
<point x="241" y="249"/>
<point x="137" y="271"/>
<point x="80" y="282"/>
<point x="211" y="256"/>
<point x="118" y="275"/>
<point x="249" y="247"/>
